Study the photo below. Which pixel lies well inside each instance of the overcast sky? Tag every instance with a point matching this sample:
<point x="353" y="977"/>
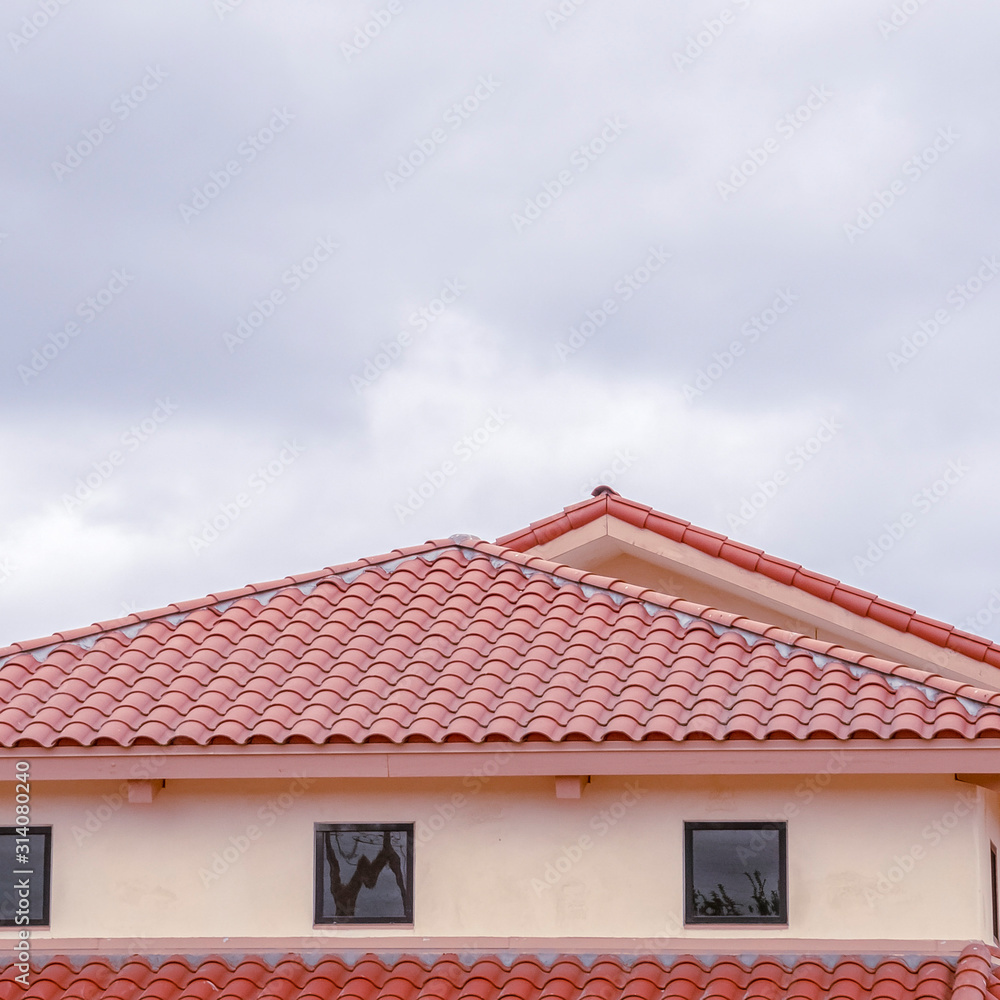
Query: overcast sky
<point x="345" y="276"/>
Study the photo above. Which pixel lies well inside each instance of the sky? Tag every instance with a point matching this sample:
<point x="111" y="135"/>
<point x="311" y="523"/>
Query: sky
<point x="287" y="284"/>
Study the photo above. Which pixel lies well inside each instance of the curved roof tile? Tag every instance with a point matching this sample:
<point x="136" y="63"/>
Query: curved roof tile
<point x="465" y="642"/>
<point x="972" y="976"/>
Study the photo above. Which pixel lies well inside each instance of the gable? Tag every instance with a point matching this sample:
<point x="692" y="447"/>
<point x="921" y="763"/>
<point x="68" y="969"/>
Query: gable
<point x="615" y="537"/>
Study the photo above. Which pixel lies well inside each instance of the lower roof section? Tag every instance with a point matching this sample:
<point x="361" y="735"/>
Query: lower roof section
<point x="969" y="975"/>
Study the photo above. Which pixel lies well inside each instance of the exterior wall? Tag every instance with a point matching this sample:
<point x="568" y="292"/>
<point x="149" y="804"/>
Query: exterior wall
<point x="869" y="857"/>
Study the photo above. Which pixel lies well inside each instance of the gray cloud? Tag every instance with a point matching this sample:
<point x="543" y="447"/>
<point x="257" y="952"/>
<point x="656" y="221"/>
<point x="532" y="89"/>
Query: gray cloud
<point x="206" y="88"/>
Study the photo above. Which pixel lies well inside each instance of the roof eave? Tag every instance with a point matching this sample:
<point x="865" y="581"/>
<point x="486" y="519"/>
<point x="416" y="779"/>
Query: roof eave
<point x="973" y="759"/>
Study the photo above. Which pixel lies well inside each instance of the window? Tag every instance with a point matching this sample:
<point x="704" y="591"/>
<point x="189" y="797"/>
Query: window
<point x="735" y="873"/>
<point x="364" y="873"/>
<point x="993" y="888"/>
<point x="24" y="876"/>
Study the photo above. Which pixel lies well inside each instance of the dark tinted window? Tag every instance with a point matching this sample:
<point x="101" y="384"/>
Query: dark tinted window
<point x="364" y="873"/>
<point x="735" y="873"/>
<point x="24" y="876"/>
<point x="993" y="889"/>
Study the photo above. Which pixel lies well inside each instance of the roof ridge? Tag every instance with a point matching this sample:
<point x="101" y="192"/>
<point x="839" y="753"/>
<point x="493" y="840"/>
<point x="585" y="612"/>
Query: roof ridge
<point x="852" y="599"/>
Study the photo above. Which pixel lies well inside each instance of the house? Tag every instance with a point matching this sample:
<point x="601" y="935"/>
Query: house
<point x="612" y="754"/>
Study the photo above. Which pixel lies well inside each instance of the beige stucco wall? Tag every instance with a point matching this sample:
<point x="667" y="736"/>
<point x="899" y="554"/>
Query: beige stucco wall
<point x="869" y="857"/>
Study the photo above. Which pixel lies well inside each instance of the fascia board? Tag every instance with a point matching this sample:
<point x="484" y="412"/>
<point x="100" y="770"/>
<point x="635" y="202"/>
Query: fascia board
<point x="941" y="756"/>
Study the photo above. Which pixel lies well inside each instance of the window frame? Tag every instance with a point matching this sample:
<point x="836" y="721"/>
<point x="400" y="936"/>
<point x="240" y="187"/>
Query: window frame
<point x="46" y="876"/>
<point x="993" y="892"/>
<point x="319" y="885"/>
<point x="690" y="917"/>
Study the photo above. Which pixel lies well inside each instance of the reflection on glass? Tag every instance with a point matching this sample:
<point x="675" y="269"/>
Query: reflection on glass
<point x="735" y="873"/>
<point x="366" y="873"/>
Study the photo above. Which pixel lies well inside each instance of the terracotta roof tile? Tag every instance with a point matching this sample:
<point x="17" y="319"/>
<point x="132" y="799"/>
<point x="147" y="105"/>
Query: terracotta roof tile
<point x="466" y="642"/>
<point x="969" y="977"/>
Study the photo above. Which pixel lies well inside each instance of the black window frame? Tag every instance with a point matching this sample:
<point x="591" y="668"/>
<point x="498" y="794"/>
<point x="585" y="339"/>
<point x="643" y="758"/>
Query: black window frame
<point x="46" y="876"/>
<point x="690" y="917"/>
<point x="319" y="918"/>
<point x="993" y="892"/>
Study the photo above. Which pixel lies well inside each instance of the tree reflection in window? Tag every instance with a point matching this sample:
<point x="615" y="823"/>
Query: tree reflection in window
<point x="364" y="873"/>
<point x="735" y="872"/>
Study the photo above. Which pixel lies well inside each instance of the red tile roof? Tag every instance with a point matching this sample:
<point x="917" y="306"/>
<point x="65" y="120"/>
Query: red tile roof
<point x="860" y="602"/>
<point x="971" y="977"/>
<point x="461" y="642"/>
